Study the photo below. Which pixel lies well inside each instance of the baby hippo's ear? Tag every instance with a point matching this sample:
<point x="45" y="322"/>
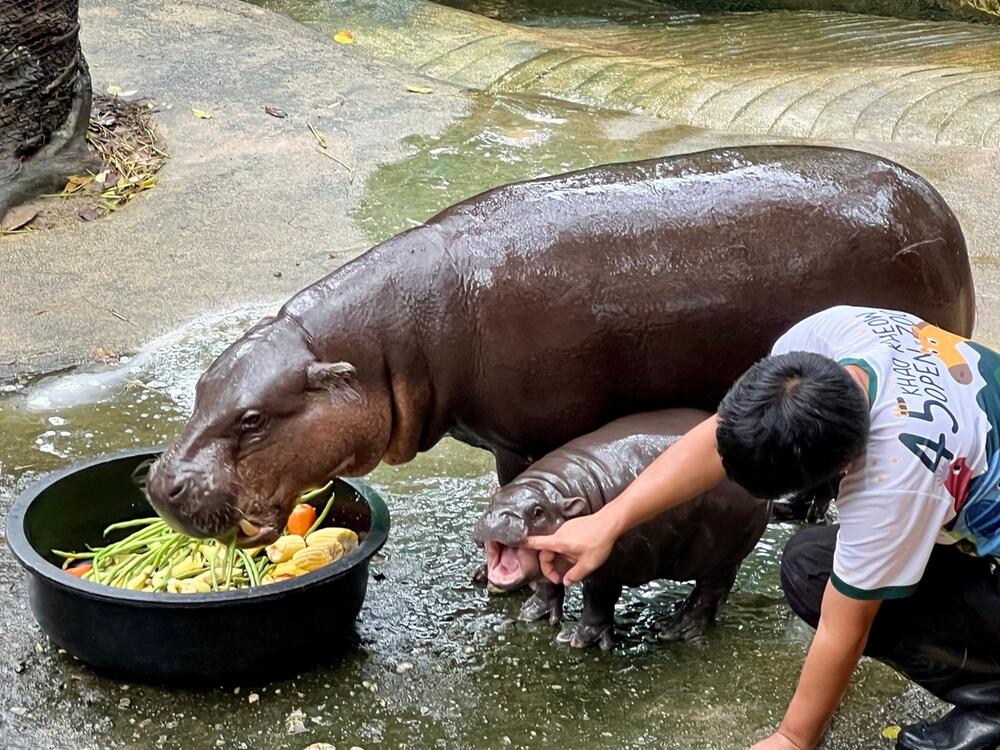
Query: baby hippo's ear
<point x="574" y="506"/>
<point x="329" y="375"/>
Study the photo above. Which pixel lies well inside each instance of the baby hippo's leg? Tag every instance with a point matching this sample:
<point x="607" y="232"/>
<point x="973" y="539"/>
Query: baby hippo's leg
<point x="597" y="622"/>
<point x="545" y="602"/>
<point x="693" y="616"/>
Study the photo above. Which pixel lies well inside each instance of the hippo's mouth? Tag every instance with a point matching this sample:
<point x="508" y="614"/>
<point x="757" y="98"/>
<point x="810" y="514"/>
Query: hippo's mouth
<point x="510" y="567"/>
<point x="250" y="534"/>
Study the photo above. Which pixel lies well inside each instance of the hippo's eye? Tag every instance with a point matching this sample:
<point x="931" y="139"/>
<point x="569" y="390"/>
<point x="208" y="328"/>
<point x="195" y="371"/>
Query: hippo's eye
<point x="537" y="512"/>
<point x="252" y="421"/>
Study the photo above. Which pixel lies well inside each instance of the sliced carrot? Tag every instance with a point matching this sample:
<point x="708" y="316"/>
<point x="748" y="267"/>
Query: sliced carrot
<point x="301" y="519"/>
<point x="80" y="570"/>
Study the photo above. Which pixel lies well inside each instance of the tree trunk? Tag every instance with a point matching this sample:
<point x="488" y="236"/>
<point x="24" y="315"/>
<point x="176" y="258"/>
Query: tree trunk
<point x="44" y="98"/>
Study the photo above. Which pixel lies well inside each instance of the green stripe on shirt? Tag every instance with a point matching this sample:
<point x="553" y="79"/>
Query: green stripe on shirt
<point x="886" y="592"/>
<point x="872" y="377"/>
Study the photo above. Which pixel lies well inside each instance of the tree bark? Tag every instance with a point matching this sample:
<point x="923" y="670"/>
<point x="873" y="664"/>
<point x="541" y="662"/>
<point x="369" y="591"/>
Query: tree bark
<point x="44" y="98"/>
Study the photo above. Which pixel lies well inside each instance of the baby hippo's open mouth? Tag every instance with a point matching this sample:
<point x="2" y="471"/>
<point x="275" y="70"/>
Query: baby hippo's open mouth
<point x="510" y="567"/>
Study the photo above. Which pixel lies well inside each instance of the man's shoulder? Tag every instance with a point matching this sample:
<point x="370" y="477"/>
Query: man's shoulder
<point x="834" y="331"/>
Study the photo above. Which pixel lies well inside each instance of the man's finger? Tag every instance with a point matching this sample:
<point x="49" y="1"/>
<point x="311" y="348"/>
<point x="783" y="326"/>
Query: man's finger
<point x="549" y="543"/>
<point x="547" y="561"/>
<point x="575" y="574"/>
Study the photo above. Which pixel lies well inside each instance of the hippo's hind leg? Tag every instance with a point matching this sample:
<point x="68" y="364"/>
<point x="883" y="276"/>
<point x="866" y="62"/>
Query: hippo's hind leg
<point x="545" y="602"/>
<point x="698" y="611"/>
<point x="597" y="622"/>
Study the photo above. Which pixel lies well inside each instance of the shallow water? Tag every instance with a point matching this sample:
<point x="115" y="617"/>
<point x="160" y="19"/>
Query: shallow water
<point x="799" y="74"/>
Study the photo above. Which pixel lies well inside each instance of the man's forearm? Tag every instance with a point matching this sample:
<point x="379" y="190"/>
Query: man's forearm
<point x="690" y="467"/>
<point x="836" y="648"/>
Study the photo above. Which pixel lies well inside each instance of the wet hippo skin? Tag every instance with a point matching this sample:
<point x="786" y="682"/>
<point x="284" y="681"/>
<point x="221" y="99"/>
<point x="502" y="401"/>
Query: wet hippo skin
<point x="535" y="312"/>
<point x="704" y="540"/>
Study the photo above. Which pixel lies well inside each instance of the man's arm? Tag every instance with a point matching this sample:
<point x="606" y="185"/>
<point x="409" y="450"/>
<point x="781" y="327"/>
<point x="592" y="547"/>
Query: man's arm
<point x="690" y="467"/>
<point x="843" y="630"/>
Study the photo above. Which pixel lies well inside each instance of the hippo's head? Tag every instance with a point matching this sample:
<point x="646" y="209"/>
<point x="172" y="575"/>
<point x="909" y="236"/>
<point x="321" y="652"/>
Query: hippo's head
<point x="270" y="421"/>
<point x="515" y="512"/>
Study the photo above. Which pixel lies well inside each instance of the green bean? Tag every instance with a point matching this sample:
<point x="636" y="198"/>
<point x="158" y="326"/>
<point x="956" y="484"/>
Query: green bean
<point x="126" y="570"/>
<point x="133" y="523"/>
<point x="315" y="493"/>
<point x="230" y="560"/>
<point x="250" y="568"/>
<point x="321" y="517"/>
<point x="73" y="555"/>
<point x="215" y="583"/>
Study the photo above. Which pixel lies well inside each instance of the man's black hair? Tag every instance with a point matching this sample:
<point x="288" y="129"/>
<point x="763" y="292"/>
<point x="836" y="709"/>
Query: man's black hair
<point x="790" y="422"/>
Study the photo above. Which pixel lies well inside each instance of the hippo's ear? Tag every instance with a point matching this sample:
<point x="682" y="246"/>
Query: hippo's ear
<point x="574" y="506"/>
<point x="326" y="375"/>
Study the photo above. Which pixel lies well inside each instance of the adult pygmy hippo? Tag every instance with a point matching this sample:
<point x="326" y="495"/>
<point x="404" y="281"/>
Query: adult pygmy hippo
<point x="704" y="540"/>
<point x="535" y="312"/>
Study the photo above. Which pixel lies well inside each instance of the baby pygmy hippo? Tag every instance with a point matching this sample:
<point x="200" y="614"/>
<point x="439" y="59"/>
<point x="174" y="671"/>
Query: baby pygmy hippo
<point x="704" y="540"/>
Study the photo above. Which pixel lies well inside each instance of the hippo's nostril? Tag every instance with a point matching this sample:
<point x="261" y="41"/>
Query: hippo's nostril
<point x="178" y="488"/>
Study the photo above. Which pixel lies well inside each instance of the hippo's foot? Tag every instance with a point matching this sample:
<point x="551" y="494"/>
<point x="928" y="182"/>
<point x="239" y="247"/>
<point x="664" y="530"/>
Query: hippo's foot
<point x="683" y="626"/>
<point x="584" y="635"/>
<point x="692" y="618"/>
<point x="545" y="602"/>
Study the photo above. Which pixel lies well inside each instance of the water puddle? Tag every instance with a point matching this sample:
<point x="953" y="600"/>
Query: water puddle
<point x="801" y="74"/>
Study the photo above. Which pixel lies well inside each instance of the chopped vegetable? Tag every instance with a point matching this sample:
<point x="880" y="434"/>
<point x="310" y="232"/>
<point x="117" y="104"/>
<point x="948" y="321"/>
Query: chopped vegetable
<point x="311" y="558"/>
<point x="154" y="557"/>
<point x="302" y="519"/>
<point x="333" y="539"/>
<point x="79" y="570"/>
<point x="284" y="547"/>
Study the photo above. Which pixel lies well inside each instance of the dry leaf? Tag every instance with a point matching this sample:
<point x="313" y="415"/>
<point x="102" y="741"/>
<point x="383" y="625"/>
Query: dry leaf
<point x="88" y="214"/>
<point x="419" y="89"/>
<point x="201" y="114"/>
<point x="343" y="37"/>
<point x="18" y="217"/>
<point x="76" y="181"/>
<point x="275" y="112"/>
<point x="891" y="732"/>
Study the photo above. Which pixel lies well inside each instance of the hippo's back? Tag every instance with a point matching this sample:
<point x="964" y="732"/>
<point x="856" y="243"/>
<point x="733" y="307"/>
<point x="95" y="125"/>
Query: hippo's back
<point x="601" y="464"/>
<point x="653" y="284"/>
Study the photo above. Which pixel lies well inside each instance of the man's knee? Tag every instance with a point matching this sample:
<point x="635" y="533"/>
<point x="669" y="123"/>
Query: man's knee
<point x="806" y="564"/>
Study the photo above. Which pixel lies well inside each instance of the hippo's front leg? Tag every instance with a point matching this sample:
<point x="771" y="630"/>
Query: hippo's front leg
<point x="545" y="602"/>
<point x="597" y="622"/>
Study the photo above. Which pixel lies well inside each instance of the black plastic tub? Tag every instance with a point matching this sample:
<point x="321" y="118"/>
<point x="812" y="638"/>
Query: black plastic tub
<point x="220" y="637"/>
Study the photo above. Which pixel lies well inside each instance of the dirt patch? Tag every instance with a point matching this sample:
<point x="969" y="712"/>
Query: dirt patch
<point x="123" y="134"/>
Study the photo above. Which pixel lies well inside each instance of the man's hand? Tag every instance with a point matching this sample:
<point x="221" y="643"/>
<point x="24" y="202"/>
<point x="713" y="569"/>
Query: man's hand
<point x="776" y="741"/>
<point x="577" y="549"/>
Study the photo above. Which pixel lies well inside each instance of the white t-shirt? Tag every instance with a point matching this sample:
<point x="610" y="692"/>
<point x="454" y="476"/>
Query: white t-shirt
<point x="932" y="464"/>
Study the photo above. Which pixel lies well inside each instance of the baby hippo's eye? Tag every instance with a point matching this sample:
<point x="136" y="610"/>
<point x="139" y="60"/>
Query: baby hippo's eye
<point x="252" y="421"/>
<point x="537" y="513"/>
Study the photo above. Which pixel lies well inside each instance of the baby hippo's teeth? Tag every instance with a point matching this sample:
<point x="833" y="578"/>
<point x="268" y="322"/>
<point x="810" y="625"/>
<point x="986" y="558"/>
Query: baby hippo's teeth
<point x="248" y="528"/>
